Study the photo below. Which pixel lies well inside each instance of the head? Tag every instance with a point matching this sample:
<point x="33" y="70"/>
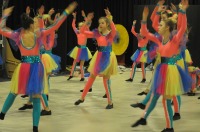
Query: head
<point x="166" y="14"/>
<point x="40" y="10"/>
<point x="27" y="22"/>
<point x="104" y="24"/>
<point x="166" y="26"/>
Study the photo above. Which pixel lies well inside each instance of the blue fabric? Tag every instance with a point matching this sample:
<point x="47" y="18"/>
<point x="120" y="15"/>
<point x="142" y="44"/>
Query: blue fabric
<point x="35" y="84"/>
<point x="186" y="79"/>
<point x="147" y="98"/>
<point x="44" y="96"/>
<point x="104" y="61"/>
<point x="170" y="112"/>
<point x="8" y="103"/>
<point x="135" y="55"/>
<point x="152" y="105"/>
<point x="83" y="54"/>
<point x="36" y="111"/>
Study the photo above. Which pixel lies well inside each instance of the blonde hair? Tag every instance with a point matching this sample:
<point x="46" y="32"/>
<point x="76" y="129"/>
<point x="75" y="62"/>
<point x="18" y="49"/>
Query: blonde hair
<point x="107" y="22"/>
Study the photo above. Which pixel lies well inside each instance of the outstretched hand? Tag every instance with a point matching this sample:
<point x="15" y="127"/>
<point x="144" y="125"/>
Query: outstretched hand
<point x="74" y="14"/>
<point x="90" y="16"/>
<point x="72" y="7"/>
<point x="173" y="7"/>
<point x="161" y="2"/>
<point x="83" y="13"/>
<point x="51" y="11"/>
<point x="8" y="11"/>
<point x="134" y="22"/>
<point x="145" y="13"/>
<point x="185" y="4"/>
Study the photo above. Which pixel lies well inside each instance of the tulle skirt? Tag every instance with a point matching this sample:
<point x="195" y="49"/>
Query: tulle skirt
<point x="103" y="63"/>
<point x="80" y="54"/>
<point x="29" y="78"/>
<point x="140" y="56"/>
<point x="48" y="62"/>
<point x="170" y="80"/>
<point x="187" y="57"/>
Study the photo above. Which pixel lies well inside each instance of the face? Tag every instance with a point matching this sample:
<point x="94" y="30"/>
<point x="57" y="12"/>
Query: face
<point x="41" y="10"/>
<point x="164" y="17"/>
<point x="162" y="28"/>
<point x="102" y="25"/>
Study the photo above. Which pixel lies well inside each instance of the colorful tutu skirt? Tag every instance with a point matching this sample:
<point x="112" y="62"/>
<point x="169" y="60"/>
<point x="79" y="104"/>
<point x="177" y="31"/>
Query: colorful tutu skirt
<point x="48" y="61"/>
<point x="140" y="55"/>
<point x="104" y="62"/>
<point x="187" y="56"/>
<point x="80" y="53"/>
<point x="180" y="61"/>
<point x="170" y="79"/>
<point x="28" y="77"/>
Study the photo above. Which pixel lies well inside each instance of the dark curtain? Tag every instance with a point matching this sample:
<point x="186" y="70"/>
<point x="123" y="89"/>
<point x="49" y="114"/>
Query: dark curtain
<point x="123" y="11"/>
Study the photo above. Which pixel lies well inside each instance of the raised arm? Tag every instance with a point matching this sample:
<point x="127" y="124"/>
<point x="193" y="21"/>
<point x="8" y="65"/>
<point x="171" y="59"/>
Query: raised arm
<point x="133" y="28"/>
<point x="73" y="23"/>
<point x="7" y="32"/>
<point x="183" y="26"/>
<point x="112" y="25"/>
<point x="182" y="15"/>
<point x="60" y="20"/>
<point x="160" y="3"/>
<point x="144" y="30"/>
<point x="88" y="20"/>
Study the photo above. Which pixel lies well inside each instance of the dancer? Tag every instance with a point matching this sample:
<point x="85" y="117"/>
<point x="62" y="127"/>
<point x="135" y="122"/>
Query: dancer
<point x="80" y="53"/>
<point x="30" y="79"/>
<point x="104" y="61"/>
<point x="140" y="56"/>
<point x="169" y="79"/>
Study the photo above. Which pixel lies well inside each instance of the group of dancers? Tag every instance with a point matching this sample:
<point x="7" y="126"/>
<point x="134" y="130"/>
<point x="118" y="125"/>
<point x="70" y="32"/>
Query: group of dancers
<point x="170" y="77"/>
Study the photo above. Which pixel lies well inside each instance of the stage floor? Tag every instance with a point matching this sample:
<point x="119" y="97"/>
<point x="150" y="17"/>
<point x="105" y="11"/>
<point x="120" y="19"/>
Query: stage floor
<point x="91" y="116"/>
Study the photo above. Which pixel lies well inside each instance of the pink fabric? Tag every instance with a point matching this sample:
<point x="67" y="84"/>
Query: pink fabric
<point x="24" y="72"/>
<point x="162" y="76"/>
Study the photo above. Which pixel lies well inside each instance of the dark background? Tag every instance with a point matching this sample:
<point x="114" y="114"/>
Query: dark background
<point x="123" y="11"/>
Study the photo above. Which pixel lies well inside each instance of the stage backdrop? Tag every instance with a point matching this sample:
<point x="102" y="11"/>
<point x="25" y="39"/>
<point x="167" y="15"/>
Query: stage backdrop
<point x="123" y="11"/>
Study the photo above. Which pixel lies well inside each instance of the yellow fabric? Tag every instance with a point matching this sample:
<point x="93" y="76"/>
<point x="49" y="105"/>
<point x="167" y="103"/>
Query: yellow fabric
<point x="143" y="57"/>
<point x="188" y="58"/>
<point x="111" y="68"/>
<point x="173" y="85"/>
<point x="181" y="63"/>
<point x="74" y="53"/>
<point x="14" y="80"/>
<point x="46" y="83"/>
<point x="49" y="63"/>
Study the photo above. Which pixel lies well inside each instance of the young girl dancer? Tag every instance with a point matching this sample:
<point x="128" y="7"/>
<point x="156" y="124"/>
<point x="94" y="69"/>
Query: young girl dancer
<point x="140" y="56"/>
<point x="104" y="61"/>
<point x="29" y="75"/>
<point x="169" y="79"/>
<point x="81" y="52"/>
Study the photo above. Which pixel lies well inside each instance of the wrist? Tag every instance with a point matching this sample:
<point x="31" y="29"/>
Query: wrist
<point x="182" y="11"/>
<point x="66" y="12"/>
<point x="144" y="21"/>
